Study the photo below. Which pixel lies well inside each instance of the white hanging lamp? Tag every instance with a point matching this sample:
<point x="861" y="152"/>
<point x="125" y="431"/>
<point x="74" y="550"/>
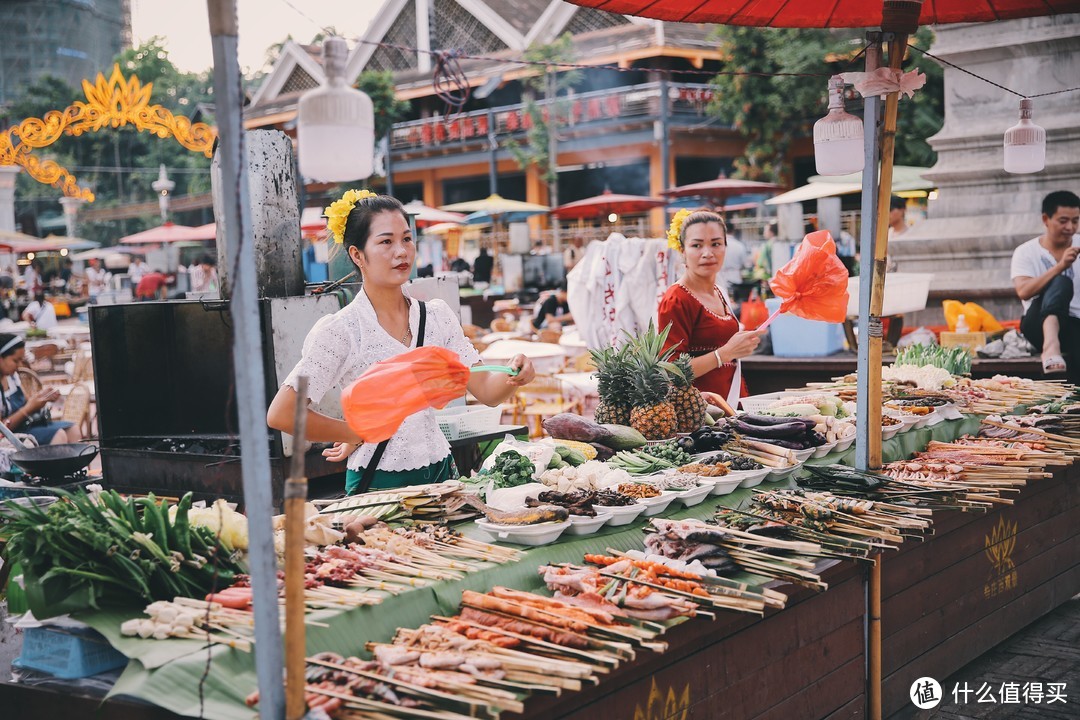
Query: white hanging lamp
<point x="335" y="125"/>
<point x="838" y="137"/>
<point x="1025" y="144"/>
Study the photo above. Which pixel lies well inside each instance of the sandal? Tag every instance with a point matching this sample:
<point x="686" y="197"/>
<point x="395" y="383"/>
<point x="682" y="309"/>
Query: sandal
<point x="1053" y="364"/>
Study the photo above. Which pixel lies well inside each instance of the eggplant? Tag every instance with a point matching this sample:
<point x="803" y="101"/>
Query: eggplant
<point x="784" y="430"/>
<point x="790" y="444"/>
<point x="767" y="420"/>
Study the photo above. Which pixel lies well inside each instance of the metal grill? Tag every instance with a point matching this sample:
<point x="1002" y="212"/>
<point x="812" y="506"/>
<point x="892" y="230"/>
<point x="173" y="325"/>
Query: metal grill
<point x="458" y="29"/>
<point x="402" y="32"/>
<point x="587" y="20"/>
<point x="298" y="81"/>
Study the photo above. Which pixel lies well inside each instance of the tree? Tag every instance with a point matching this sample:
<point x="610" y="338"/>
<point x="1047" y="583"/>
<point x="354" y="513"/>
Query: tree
<point x="776" y="105"/>
<point x="544" y="122"/>
<point x="379" y="86"/>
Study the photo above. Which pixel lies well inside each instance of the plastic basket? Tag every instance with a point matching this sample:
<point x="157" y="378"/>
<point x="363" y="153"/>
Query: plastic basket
<point x="468" y="421"/>
<point x="68" y="654"/>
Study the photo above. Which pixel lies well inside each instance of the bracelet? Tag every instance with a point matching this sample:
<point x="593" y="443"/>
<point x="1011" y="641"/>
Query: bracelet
<point x="719" y="359"/>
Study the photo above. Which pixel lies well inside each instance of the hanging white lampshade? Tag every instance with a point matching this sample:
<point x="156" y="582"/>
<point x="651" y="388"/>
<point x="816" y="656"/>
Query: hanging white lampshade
<point x="335" y="124"/>
<point x="838" y="137"/>
<point x="1025" y="144"/>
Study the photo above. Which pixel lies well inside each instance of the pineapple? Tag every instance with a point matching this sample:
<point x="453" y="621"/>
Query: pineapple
<point x="690" y="407"/>
<point x="614" y="385"/>
<point x="653" y="415"/>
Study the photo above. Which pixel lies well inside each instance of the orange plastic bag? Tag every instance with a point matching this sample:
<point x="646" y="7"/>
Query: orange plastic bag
<point x="378" y="401"/>
<point x="813" y="284"/>
<point x="753" y="312"/>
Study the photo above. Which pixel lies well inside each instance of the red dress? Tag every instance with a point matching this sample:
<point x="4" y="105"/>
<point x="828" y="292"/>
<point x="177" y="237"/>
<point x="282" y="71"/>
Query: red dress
<point x="698" y="331"/>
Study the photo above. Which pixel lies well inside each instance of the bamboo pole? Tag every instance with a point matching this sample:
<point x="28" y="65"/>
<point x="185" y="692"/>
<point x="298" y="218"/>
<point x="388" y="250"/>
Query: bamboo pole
<point x="295" y="497"/>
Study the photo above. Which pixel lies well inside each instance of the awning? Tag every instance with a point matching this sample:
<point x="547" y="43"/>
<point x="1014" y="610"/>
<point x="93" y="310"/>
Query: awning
<point x="905" y="179"/>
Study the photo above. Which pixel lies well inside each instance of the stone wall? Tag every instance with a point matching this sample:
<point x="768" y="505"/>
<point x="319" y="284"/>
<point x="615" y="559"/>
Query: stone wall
<point x="982" y="213"/>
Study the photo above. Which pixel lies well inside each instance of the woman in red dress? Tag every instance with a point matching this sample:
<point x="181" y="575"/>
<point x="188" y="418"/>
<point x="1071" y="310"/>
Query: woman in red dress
<point x="702" y="324"/>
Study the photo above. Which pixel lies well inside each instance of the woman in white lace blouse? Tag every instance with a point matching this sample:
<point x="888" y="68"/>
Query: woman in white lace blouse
<point x="381" y="322"/>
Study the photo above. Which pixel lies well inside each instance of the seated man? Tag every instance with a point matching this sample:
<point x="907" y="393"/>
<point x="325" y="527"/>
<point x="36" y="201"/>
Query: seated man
<point x="1049" y="286"/>
<point x="553" y="309"/>
<point x="40" y="313"/>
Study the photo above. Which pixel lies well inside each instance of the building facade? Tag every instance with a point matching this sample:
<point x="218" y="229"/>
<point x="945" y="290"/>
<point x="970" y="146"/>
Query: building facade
<point x="637" y="129"/>
<point x="71" y="39"/>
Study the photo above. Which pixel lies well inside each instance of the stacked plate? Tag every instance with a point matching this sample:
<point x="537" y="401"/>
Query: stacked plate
<point x="538" y="534"/>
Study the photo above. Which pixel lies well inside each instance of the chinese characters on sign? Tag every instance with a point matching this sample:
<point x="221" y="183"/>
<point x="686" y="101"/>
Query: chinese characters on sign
<point x="1011" y="693"/>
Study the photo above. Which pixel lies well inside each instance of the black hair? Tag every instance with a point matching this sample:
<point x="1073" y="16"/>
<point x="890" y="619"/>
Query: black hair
<point x="40" y="296"/>
<point x="701" y="216"/>
<point x="358" y="223"/>
<point x="1059" y="199"/>
<point x="562" y="285"/>
<point x="6" y="338"/>
<point x="897" y="203"/>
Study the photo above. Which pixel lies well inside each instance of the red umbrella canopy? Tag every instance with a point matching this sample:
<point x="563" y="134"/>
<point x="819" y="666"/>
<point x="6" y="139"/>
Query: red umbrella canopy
<point x="826" y="13"/>
<point x="168" y="232"/>
<point x="606" y="203"/>
<point x="721" y="188"/>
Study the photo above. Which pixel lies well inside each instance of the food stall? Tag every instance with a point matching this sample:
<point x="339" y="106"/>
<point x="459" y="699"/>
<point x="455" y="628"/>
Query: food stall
<point x="994" y="550"/>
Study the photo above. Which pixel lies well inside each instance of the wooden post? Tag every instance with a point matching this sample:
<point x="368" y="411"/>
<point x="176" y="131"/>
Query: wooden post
<point x="295" y="497"/>
<point x="897" y="46"/>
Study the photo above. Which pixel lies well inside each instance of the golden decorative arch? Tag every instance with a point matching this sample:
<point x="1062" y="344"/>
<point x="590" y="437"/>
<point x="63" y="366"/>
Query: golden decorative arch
<point x="115" y="102"/>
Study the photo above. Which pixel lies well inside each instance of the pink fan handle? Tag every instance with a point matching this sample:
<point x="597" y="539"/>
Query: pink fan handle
<point x="766" y="324"/>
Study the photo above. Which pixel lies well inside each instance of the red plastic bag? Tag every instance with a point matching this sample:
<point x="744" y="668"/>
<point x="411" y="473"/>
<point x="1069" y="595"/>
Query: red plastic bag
<point x="378" y="401"/>
<point x="753" y="312"/>
<point x="813" y="284"/>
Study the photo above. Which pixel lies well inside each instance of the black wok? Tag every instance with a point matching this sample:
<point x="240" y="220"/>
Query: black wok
<point x="55" y="461"/>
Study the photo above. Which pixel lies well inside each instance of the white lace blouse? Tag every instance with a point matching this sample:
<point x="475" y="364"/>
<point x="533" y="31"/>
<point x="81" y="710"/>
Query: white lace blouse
<point x="340" y="347"/>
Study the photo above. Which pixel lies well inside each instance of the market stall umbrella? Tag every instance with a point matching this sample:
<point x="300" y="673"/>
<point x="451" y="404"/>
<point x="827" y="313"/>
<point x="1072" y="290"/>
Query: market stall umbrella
<point x="102" y="253"/>
<point x="825" y="13"/>
<point x="204" y="232"/>
<point x="17" y="242"/>
<point x="426" y="215"/>
<point x="606" y="203"/>
<point x="485" y="218"/>
<point x="168" y="232"/>
<point x="721" y="189"/>
<point x="61" y="242"/>
<point x="495" y="205"/>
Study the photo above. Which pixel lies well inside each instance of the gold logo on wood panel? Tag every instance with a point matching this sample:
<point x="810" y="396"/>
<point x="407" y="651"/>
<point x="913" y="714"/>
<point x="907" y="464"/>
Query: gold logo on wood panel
<point x="661" y="706"/>
<point x="1000" y="543"/>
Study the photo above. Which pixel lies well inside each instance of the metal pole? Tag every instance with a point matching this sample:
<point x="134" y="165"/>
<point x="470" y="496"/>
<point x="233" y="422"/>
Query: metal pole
<point x="552" y="92"/>
<point x="665" y="148"/>
<point x="247" y="359"/>
<point x="389" y="162"/>
<point x="493" y="147"/>
<point x="867" y="234"/>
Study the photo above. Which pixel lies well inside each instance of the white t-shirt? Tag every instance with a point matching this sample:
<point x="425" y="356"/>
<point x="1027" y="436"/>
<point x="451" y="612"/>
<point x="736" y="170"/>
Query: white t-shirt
<point x="1031" y="259"/>
<point x="340" y="347"/>
<point x="43" y="313"/>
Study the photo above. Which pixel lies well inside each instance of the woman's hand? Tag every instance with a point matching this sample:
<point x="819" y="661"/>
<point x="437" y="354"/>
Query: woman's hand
<point x="526" y="371"/>
<point x="43" y="397"/>
<point x="340" y="451"/>
<point x="741" y="344"/>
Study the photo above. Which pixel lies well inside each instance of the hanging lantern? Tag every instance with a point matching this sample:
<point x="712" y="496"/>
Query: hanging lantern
<point x="838" y="137"/>
<point x="335" y="126"/>
<point x="1025" y="144"/>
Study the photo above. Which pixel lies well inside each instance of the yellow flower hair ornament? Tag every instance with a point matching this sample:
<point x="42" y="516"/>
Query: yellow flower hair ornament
<point x="674" y="233"/>
<point x="339" y="210"/>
